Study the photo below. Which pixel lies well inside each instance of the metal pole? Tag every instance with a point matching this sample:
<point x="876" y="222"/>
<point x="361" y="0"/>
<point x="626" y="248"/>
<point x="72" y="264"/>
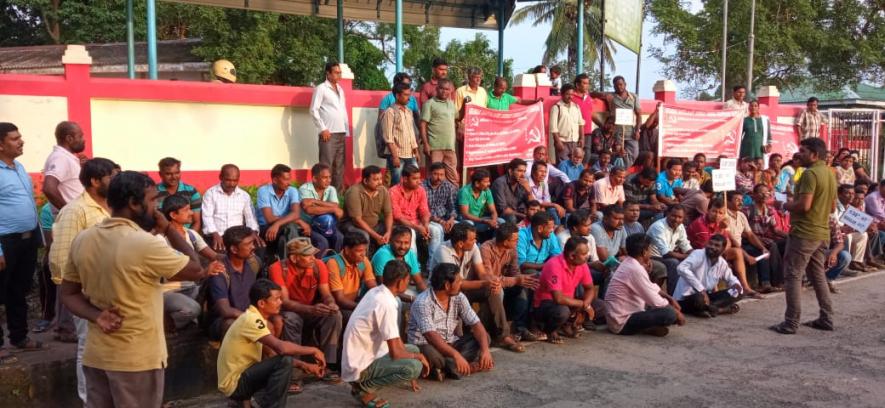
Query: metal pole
<point x="602" y="47"/>
<point x="152" y="38"/>
<point x="130" y="39"/>
<point x="340" y="31"/>
<point x="398" y="16"/>
<point x="724" y="42"/>
<point x="500" y="19"/>
<point x="752" y="38"/>
<point x="638" y="65"/>
<point x="580" y="35"/>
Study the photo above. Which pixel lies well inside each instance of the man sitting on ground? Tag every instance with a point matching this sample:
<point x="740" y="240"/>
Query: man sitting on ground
<point x="171" y="184"/>
<point x="541" y="191"/>
<point x="409" y="203"/>
<point x="699" y="277"/>
<point x="310" y="313"/>
<point x="609" y="190"/>
<point x="349" y="271"/>
<point x="631" y="218"/>
<point x="476" y="203"/>
<point x="368" y="208"/>
<point x="229" y="291"/>
<point x="442" y="197"/>
<point x="640" y="188"/>
<point x="512" y="192"/>
<point x="556" y="299"/>
<point x="670" y="243"/>
<point x="400" y="248"/>
<point x="668" y="181"/>
<point x="574" y="165"/>
<point x="634" y="304"/>
<point x="226" y="205"/>
<point x="579" y="193"/>
<point x="279" y="212"/>
<point x="374" y="355"/>
<point x="242" y="373"/>
<point x="434" y="316"/>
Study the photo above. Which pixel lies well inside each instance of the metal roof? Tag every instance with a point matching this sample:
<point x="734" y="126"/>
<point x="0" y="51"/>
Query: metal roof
<point x="476" y="14"/>
<point x="39" y="58"/>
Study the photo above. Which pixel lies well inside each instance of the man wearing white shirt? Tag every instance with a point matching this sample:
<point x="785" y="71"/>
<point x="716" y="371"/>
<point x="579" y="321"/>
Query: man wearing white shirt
<point x="329" y="113"/>
<point x="699" y="277"/>
<point x="737" y="101"/>
<point x="61" y="172"/>
<point x="226" y="205"/>
<point x="669" y="242"/>
<point x="374" y="355"/>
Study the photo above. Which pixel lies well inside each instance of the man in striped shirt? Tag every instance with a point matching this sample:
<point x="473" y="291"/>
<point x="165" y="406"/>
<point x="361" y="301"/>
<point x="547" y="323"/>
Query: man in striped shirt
<point x="809" y="122"/>
<point x="398" y="129"/>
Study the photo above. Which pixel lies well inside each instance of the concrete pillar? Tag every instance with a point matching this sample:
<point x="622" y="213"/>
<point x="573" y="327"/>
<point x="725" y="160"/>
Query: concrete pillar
<point x="768" y="95"/>
<point x="665" y="91"/>
<point x="524" y="86"/>
<point x="77" y="63"/>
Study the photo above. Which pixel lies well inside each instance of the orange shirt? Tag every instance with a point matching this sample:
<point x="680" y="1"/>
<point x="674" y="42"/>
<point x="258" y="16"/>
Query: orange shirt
<point x="350" y="283"/>
<point x="302" y="284"/>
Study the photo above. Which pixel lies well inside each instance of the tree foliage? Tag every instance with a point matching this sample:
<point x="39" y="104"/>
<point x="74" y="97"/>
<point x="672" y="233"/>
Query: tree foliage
<point x="823" y="43"/>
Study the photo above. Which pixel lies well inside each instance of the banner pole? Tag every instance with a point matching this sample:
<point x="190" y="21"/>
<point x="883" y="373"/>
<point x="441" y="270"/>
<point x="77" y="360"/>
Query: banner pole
<point x="660" y="135"/>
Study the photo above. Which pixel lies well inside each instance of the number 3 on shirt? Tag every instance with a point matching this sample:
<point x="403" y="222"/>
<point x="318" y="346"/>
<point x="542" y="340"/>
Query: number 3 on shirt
<point x="260" y="324"/>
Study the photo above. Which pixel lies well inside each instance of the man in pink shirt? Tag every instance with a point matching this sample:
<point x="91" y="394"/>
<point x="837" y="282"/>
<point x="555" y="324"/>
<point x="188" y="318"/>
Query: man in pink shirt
<point x="61" y="183"/>
<point x="556" y="299"/>
<point x="609" y="190"/>
<point x="633" y="304"/>
<point x="409" y="203"/>
<point x="585" y="102"/>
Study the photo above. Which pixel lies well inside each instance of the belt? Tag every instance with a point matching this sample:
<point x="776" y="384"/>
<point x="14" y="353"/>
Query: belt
<point x="18" y="235"/>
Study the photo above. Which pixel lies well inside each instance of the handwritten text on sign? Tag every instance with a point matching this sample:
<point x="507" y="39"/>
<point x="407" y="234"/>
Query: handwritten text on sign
<point x="723" y="180"/>
<point x="856" y="219"/>
<point x="495" y="137"/>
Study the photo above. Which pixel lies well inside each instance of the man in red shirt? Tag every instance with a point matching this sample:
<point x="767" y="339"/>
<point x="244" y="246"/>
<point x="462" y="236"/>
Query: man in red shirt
<point x="309" y="311"/>
<point x="440" y="71"/>
<point x="410" y="208"/>
<point x="555" y="299"/>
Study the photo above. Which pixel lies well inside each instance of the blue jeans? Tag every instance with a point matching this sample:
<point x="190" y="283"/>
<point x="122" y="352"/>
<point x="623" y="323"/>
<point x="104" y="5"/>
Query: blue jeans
<point x="395" y="172"/>
<point x="842" y="261"/>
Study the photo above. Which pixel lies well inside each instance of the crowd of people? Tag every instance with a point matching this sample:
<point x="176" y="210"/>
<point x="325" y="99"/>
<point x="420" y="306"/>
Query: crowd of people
<point x="417" y="276"/>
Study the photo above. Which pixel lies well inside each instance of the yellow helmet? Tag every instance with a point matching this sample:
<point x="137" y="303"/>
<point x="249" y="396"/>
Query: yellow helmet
<point x="224" y="70"/>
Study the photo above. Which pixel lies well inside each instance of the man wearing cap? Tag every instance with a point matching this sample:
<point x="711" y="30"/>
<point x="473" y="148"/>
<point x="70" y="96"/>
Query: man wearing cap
<point x="316" y="319"/>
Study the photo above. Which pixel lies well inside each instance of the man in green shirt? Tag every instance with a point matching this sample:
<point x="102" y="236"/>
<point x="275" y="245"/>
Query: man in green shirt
<point x="437" y="129"/>
<point x="476" y="204"/>
<point x="810" y="209"/>
<point x="500" y="100"/>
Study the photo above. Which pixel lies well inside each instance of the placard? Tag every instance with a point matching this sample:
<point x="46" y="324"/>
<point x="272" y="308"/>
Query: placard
<point x="624" y="117"/>
<point x="856" y="219"/>
<point x="728" y="164"/>
<point x="723" y="180"/>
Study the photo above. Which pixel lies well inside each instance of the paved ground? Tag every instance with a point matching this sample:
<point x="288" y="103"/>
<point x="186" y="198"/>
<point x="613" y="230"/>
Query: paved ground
<point x="729" y="361"/>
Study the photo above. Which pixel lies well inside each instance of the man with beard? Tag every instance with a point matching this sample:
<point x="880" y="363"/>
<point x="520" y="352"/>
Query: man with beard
<point x="87" y="210"/>
<point x="61" y="173"/>
<point x="170" y="183"/>
<point x="399" y="248"/>
<point x="556" y="298"/>
<point x="115" y="272"/>
<point x="512" y="192"/>
<point x="699" y="277"/>
<point x="579" y="193"/>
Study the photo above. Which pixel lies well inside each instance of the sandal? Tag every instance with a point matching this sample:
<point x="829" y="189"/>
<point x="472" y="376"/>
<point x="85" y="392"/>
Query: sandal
<point x="369" y="400"/>
<point x="731" y="309"/>
<point x="332" y="377"/>
<point x="295" y="389"/>
<point x="570" y="332"/>
<point x="29" y="344"/>
<point x="553" y="338"/>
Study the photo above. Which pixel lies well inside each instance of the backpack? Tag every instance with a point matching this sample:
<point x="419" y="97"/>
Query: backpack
<point x="342" y="267"/>
<point x="380" y="144"/>
<point x="203" y="294"/>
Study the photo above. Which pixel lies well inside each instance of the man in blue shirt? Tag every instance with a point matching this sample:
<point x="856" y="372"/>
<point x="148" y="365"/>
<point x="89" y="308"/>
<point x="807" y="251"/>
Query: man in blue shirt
<point x="400" y="248"/>
<point x="574" y="165"/>
<point x="534" y="246"/>
<point x="19" y="238"/>
<point x="279" y="212"/>
<point x="668" y="180"/>
<point x="390" y="99"/>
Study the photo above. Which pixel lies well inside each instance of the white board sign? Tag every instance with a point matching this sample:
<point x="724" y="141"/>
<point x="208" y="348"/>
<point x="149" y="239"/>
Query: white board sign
<point x="856" y="219"/>
<point x="723" y="180"/>
<point x="728" y="164"/>
<point x="624" y="117"/>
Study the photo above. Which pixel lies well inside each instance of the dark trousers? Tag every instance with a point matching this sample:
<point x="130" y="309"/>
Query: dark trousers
<point x="551" y="316"/>
<point x="467" y="346"/>
<point x="694" y="304"/>
<point x="321" y="331"/>
<point x="806" y="257"/>
<point x="770" y="269"/>
<point x="16" y="280"/>
<point x="348" y="226"/>
<point x="492" y="313"/>
<point x="655" y="317"/>
<point x="47" y="290"/>
<point x="517" y="300"/>
<point x="672" y="274"/>
<point x="332" y="155"/>
<point x="269" y="379"/>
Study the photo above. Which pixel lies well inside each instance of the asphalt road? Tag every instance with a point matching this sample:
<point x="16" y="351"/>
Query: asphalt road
<point x="728" y="361"/>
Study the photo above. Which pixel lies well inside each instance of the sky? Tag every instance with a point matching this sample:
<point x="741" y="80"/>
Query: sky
<point x="524" y="44"/>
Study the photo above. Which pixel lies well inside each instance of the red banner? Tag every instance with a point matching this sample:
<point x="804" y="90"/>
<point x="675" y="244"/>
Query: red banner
<point x="495" y="137"/>
<point x="784" y="140"/>
<point x="686" y="132"/>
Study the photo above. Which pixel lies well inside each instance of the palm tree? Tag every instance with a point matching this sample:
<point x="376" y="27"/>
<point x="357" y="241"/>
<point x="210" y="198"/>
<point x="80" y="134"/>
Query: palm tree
<point x="563" y="16"/>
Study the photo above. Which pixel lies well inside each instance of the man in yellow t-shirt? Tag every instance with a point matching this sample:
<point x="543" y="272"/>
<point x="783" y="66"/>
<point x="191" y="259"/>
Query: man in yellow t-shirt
<point x="241" y="371"/>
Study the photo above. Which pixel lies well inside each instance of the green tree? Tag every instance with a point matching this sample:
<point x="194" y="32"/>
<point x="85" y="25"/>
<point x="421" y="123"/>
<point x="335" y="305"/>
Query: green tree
<point x="475" y="53"/>
<point x="826" y="44"/>
<point x="562" y="15"/>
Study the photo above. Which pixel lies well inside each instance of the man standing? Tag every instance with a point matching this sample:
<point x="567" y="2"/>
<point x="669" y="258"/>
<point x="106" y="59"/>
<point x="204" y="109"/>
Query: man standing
<point x="437" y="127"/>
<point x="626" y="135"/>
<point x="61" y="182"/>
<point x="19" y="238"/>
<point x="398" y="129"/>
<point x="310" y="313"/>
<point x="409" y="203"/>
<point x="512" y="192"/>
<point x="374" y="355"/>
<point x="435" y="315"/>
<point x="584" y="101"/>
<point x="737" y="102"/>
<point x="429" y="90"/>
<point x="279" y="212"/>
<point x="501" y="100"/>
<point x="226" y="205"/>
<point x="368" y="209"/>
<point x="89" y="209"/>
<point x="320" y="208"/>
<point x="477" y="94"/>
<point x="566" y="125"/>
<point x="699" y="277"/>
<point x="115" y="272"/>
<point x="809" y="237"/>
<point x="809" y="122"/>
<point x="170" y="183"/>
<point x="329" y="113"/>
